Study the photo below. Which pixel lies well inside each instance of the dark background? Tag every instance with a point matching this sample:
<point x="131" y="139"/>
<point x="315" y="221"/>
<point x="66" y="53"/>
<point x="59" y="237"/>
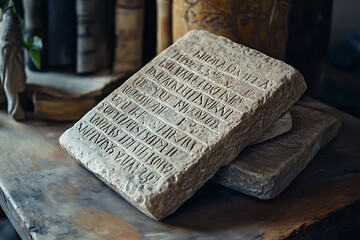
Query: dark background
<point x="325" y="36"/>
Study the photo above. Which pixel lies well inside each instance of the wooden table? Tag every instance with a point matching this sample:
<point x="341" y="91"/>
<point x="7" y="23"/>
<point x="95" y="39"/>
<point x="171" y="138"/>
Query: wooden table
<point x="47" y="195"/>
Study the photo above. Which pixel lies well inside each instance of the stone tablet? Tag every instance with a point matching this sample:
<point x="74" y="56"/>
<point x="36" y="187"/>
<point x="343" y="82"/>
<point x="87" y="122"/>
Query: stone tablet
<point x="282" y="125"/>
<point x="266" y="169"/>
<point x="191" y="110"/>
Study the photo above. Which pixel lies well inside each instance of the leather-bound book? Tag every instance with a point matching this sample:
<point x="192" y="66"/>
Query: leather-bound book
<point x="128" y="35"/>
<point x="35" y="21"/>
<point x="61" y="37"/>
<point x="93" y="35"/>
<point x="163" y="15"/>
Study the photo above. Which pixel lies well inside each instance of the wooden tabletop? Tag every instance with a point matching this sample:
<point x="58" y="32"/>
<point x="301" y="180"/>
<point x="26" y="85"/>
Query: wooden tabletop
<point x="47" y="195"/>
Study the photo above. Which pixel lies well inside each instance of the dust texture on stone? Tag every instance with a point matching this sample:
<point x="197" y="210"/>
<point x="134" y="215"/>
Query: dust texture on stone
<point x="266" y="169"/>
<point x="282" y="125"/>
<point x="169" y="128"/>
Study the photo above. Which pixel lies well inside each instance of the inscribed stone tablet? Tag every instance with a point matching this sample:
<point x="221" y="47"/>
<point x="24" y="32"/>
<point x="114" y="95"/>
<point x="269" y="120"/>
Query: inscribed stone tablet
<point x="170" y="127"/>
<point x="266" y="169"/>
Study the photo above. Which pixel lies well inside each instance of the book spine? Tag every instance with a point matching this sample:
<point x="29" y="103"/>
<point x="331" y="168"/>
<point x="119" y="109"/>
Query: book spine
<point x="92" y="36"/>
<point x="110" y="24"/>
<point x="35" y="19"/>
<point x="163" y="39"/>
<point x="128" y="33"/>
<point x="61" y="37"/>
<point x="307" y="47"/>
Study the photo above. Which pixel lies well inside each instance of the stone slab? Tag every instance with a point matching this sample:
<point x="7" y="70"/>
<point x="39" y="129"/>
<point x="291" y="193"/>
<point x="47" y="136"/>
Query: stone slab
<point x="266" y="169"/>
<point x="191" y="110"/>
<point x="282" y="125"/>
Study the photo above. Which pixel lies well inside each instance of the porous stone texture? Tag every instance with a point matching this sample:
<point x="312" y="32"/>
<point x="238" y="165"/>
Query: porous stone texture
<point x="191" y="110"/>
<point x="280" y="126"/>
<point x="266" y="169"/>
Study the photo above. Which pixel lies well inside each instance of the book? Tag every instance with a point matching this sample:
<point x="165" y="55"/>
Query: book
<point x="163" y="32"/>
<point x="128" y="34"/>
<point x="93" y="35"/>
<point x="149" y="33"/>
<point x="61" y="109"/>
<point x="35" y="19"/>
<point x="61" y="33"/>
<point x="65" y="95"/>
<point x="308" y="41"/>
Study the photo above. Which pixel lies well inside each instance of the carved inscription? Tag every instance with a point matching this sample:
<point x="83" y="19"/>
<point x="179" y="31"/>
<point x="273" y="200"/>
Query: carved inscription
<point x="161" y="99"/>
<point x="246" y="92"/>
<point x="152" y="132"/>
<point x="135" y="125"/>
<point x="214" y="67"/>
<point x="167" y="130"/>
<point x="96" y="137"/>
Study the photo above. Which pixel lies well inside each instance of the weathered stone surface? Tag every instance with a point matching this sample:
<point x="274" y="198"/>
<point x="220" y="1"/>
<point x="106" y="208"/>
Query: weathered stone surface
<point x="170" y="127"/>
<point x="280" y="126"/>
<point x="266" y="169"/>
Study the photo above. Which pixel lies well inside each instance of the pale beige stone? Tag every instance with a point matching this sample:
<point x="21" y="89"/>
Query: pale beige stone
<point x="170" y="127"/>
<point x="280" y="126"/>
<point x="266" y="169"/>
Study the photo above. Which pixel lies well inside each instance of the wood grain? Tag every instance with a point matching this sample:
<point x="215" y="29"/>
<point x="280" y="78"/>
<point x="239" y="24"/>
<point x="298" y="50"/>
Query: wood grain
<point x="46" y="194"/>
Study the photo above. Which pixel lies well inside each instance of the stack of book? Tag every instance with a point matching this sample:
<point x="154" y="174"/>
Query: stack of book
<point x="66" y="96"/>
<point x="89" y="47"/>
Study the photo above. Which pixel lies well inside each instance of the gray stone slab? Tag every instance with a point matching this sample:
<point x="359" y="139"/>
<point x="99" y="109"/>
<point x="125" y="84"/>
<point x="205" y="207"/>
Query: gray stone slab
<point x="280" y="126"/>
<point x="265" y="170"/>
<point x="170" y="127"/>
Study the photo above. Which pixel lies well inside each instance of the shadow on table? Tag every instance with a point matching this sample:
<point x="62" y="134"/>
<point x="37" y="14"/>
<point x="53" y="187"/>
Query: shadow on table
<point x="328" y="183"/>
<point x="7" y="231"/>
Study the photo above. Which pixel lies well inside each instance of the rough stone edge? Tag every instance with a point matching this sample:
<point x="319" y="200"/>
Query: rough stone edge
<point x="275" y="185"/>
<point x="282" y="125"/>
<point x="167" y="201"/>
<point x="294" y="84"/>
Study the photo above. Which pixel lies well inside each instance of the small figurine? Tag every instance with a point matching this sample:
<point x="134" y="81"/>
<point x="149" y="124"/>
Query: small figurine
<point x="12" y="72"/>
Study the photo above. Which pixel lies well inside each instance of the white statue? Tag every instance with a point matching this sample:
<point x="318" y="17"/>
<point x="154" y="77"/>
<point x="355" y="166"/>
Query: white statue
<point x="12" y="72"/>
